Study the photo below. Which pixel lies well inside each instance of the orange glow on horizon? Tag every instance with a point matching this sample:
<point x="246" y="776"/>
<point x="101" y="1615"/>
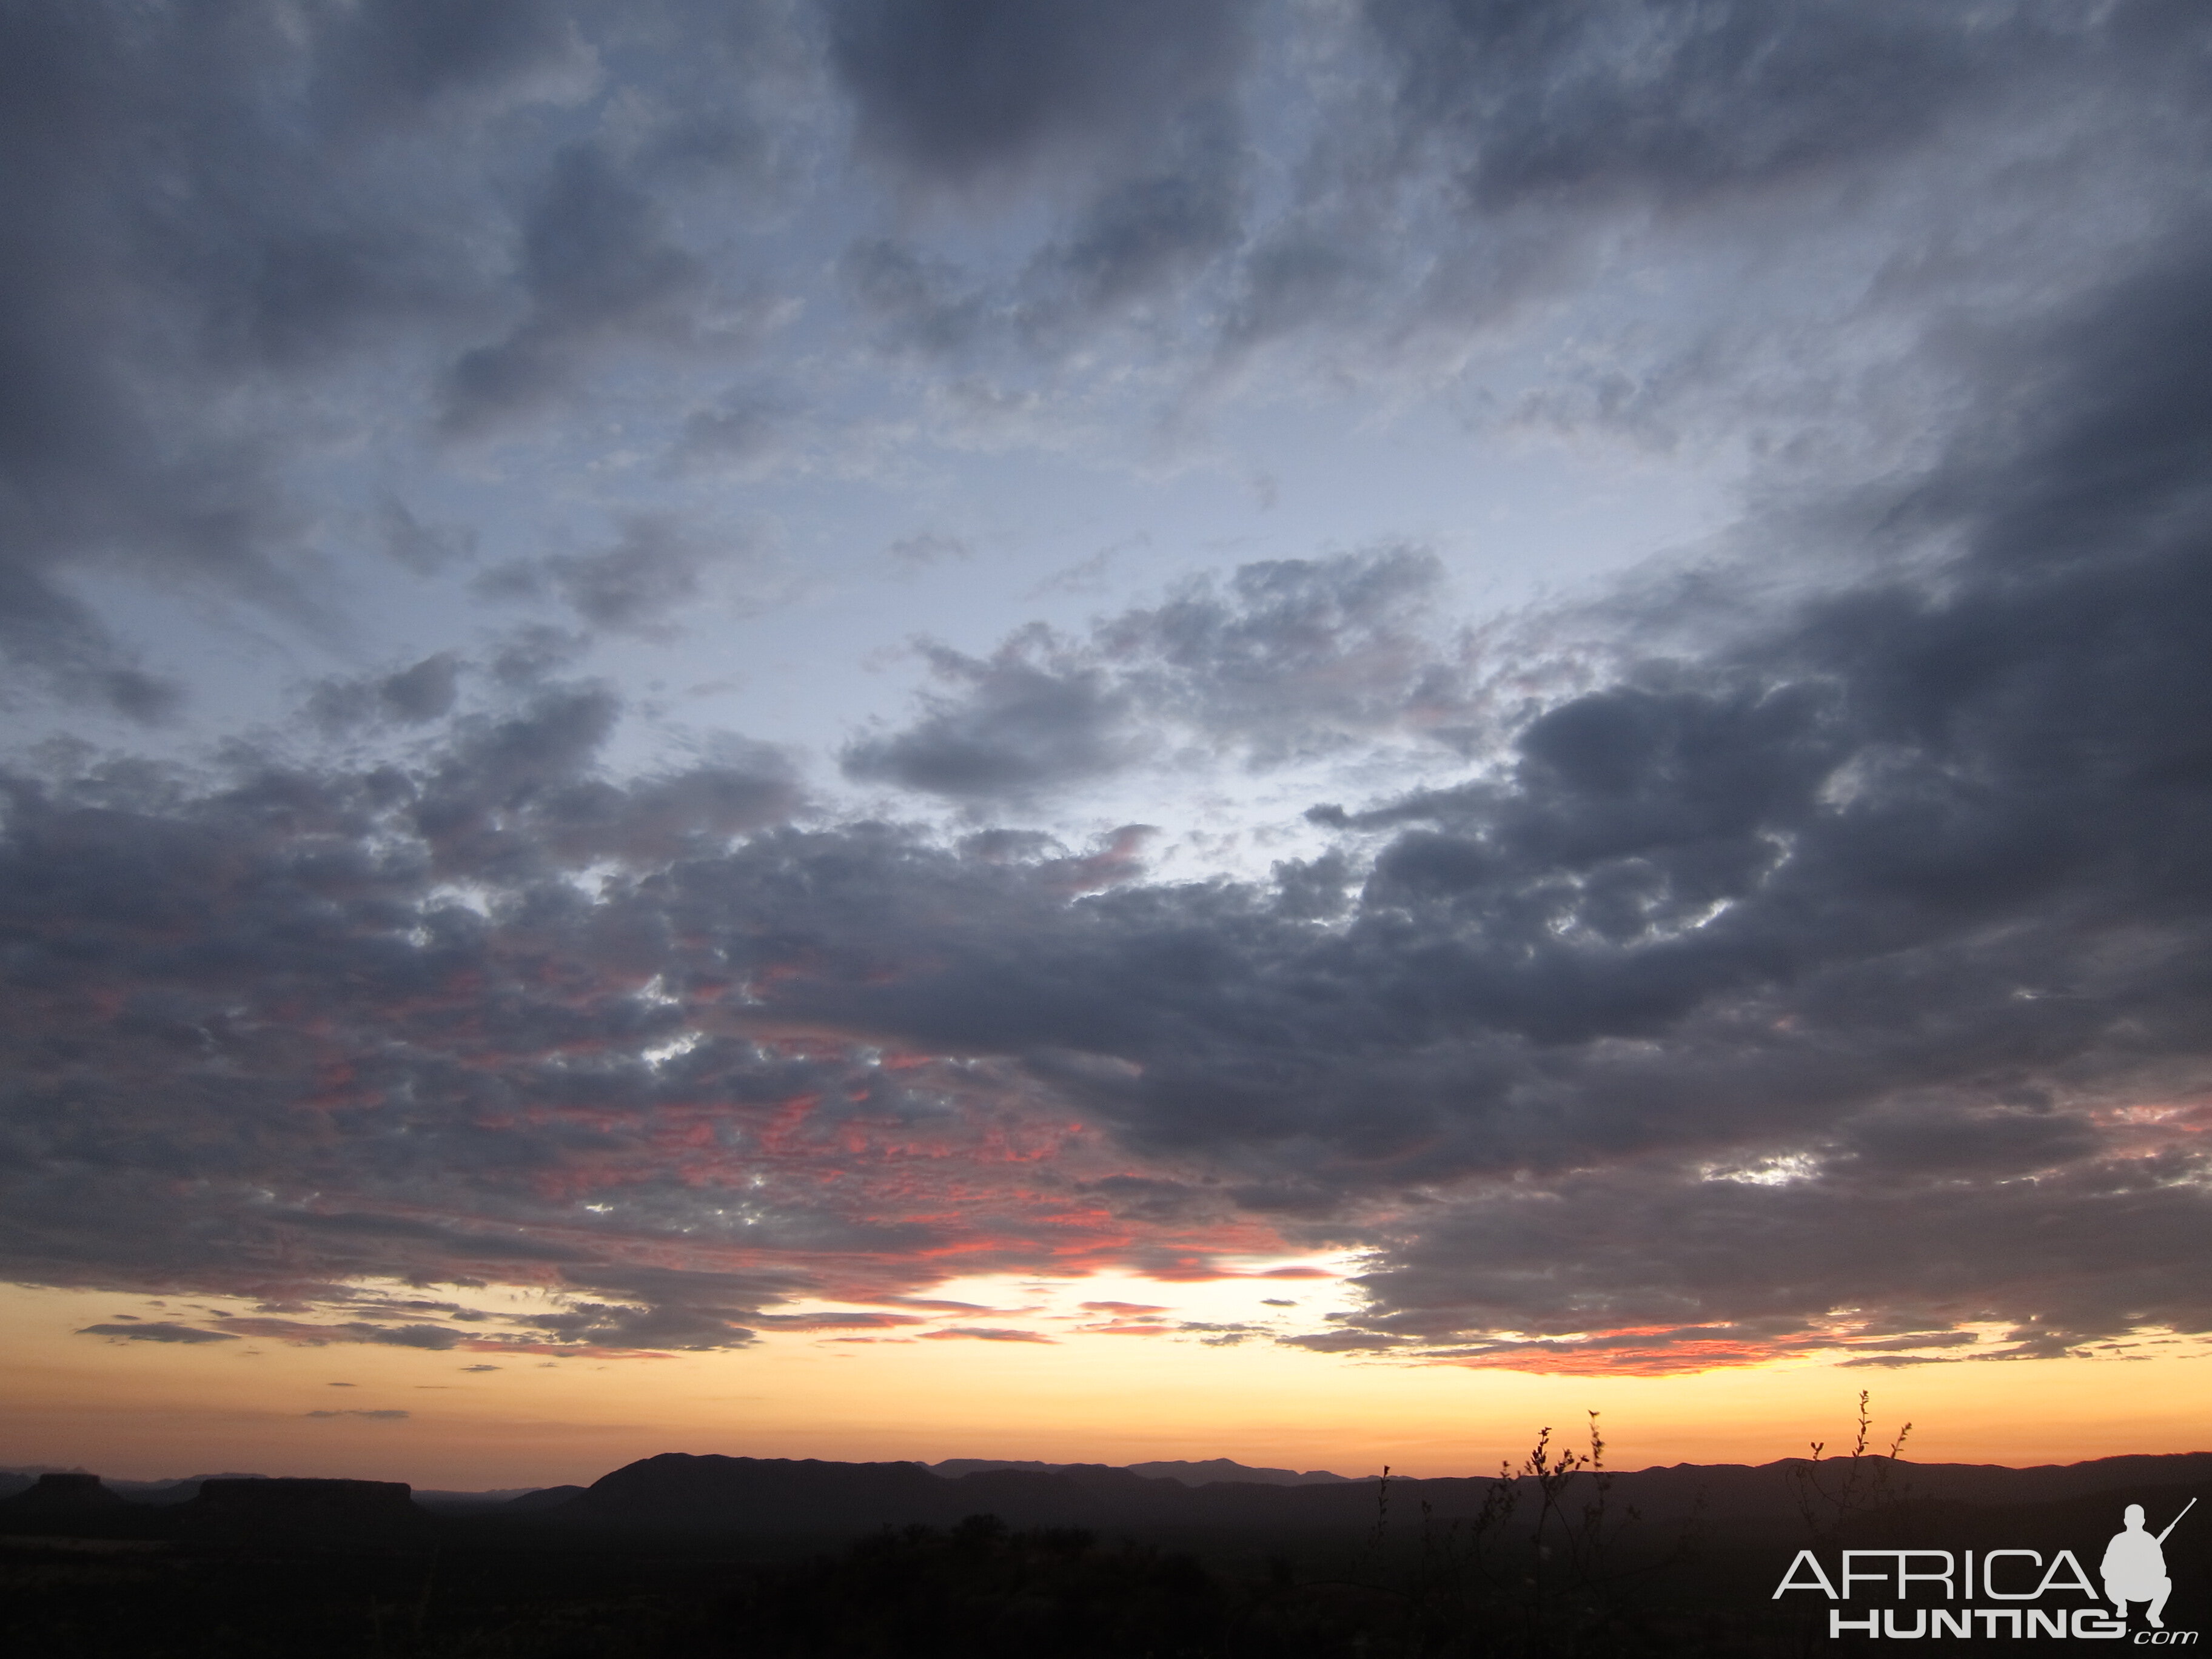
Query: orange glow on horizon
<point x="1050" y="1389"/>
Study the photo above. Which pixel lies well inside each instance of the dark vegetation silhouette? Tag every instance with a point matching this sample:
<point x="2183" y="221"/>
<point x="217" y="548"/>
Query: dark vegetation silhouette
<point x="1833" y="1491"/>
<point x="1557" y="1557"/>
<point x="1552" y="1563"/>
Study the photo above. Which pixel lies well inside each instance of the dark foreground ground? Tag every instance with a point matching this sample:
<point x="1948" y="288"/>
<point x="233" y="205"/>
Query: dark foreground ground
<point x="129" y="1580"/>
<point x="970" y="1590"/>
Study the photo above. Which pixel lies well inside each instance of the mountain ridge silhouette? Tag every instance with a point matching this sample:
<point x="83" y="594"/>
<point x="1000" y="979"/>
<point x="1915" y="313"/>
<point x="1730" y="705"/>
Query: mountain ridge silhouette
<point x="681" y="1490"/>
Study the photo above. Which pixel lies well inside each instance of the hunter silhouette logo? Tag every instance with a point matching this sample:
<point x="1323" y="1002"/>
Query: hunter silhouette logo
<point x="2133" y="1570"/>
<point x="2134" y="1566"/>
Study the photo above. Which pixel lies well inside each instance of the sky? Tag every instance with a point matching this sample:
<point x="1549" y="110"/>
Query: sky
<point x="1310" y="730"/>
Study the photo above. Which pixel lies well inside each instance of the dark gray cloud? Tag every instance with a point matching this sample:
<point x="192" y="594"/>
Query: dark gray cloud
<point x="742" y="433"/>
<point x="407" y="696"/>
<point x="2050" y="1254"/>
<point x="1139" y="240"/>
<point x="1865" y="172"/>
<point x="1313" y="267"/>
<point x="159" y="1330"/>
<point x="1025" y="720"/>
<point x="1869" y="923"/>
<point x="425" y="548"/>
<point x="332" y="885"/>
<point x="1290" y="660"/>
<point x="656" y="569"/>
<point x="393" y="61"/>
<point x="1144" y="231"/>
<point x="436" y="1338"/>
<point x="386" y="1416"/>
<point x="1841" y="983"/>
<point x="596" y="263"/>
<point x="332" y="186"/>
<point x="1292" y="657"/>
<point x="475" y="211"/>
<point x="148" y="307"/>
<point x="633" y="585"/>
<point x="517" y="792"/>
<point x="1663" y="101"/>
<point x="922" y="303"/>
<point x="1673" y="104"/>
<point x="1126" y="115"/>
<point x="956" y="90"/>
<point x="1854" y="938"/>
<point x="662" y="1325"/>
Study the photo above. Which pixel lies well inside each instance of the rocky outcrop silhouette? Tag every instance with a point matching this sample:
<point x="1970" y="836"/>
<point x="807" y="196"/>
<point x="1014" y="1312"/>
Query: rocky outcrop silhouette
<point x="53" y="1496"/>
<point x="303" y="1511"/>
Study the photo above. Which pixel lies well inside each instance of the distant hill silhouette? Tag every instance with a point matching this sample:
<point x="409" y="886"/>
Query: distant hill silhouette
<point x="56" y="1494"/>
<point x="774" y="1558"/>
<point x="1211" y="1472"/>
<point x="545" y="1497"/>
<point x="513" y="1499"/>
<point x="135" y="1492"/>
<point x="678" y="1490"/>
<point x="767" y="1496"/>
<point x="1214" y="1471"/>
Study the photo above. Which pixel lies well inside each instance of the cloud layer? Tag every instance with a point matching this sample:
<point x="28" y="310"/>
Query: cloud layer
<point x="1799" y="949"/>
